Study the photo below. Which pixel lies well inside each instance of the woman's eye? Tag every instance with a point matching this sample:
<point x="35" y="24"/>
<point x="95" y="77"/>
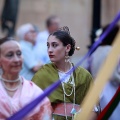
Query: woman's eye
<point x="9" y="55"/>
<point x="47" y="46"/>
<point x="19" y="53"/>
<point x="55" y="45"/>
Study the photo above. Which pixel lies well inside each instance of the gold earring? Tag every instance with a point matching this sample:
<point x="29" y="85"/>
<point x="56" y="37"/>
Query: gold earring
<point x="77" y="48"/>
<point x="67" y="58"/>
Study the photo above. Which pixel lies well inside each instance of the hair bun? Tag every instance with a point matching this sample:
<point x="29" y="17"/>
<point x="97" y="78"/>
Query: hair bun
<point x="65" y="29"/>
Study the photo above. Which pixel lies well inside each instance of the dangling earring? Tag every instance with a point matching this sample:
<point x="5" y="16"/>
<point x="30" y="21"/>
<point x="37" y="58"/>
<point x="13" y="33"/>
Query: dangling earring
<point x="67" y="58"/>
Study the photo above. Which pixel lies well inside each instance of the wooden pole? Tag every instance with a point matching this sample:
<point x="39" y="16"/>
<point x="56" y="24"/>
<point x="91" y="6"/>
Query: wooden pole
<point x="101" y="79"/>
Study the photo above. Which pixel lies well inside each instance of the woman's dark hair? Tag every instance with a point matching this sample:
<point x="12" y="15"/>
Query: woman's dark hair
<point x="109" y="39"/>
<point x="5" y="39"/>
<point x="66" y="39"/>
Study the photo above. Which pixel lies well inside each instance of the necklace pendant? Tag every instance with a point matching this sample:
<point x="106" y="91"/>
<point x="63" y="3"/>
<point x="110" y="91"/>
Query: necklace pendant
<point x="73" y="111"/>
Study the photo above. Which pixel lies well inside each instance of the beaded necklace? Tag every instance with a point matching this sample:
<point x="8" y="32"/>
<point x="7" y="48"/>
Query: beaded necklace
<point x="65" y="94"/>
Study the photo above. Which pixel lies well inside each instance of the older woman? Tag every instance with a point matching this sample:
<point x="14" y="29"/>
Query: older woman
<point x="16" y="91"/>
<point x="67" y="97"/>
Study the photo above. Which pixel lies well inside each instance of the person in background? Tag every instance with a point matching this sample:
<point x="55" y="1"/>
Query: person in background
<point x="15" y="90"/>
<point x="27" y="35"/>
<point x="68" y="96"/>
<point x="96" y="60"/>
<point x="52" y="24"/>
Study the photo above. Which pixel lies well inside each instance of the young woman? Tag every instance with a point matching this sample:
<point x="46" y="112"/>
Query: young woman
<point x="68" y="96"/>
<point x="15" y="91"/>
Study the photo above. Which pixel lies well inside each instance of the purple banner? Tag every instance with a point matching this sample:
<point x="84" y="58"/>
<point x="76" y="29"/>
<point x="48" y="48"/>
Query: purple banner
<point x="24" y="111"/>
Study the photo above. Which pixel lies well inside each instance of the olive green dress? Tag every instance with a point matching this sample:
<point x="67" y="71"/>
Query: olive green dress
<point x="48" y="74"/>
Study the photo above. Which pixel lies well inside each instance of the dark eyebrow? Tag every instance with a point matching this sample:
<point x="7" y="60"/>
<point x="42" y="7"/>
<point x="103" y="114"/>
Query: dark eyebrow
<point x="54" y="42"/>
<point x="10" y="51"/>
<point x="19" y="51"/>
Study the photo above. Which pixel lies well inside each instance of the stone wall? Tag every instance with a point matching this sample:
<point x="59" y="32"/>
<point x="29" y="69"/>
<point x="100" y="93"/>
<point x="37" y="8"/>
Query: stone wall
<point x="76" y="14"/>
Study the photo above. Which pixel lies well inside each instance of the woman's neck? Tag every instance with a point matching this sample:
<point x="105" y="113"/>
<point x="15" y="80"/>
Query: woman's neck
<point x="9" y="76"/>
<point x="63" y="66"/>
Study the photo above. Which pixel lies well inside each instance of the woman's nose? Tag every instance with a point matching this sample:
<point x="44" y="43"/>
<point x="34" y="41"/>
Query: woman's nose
<point x="50" y="49"/>
<point x="16" y="58"/>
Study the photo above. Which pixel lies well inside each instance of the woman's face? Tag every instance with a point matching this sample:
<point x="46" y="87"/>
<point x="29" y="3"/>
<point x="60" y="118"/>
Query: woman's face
<point x="31" y="36"/>
<point x="56" y="50"/>
<point x="11" y="57"/>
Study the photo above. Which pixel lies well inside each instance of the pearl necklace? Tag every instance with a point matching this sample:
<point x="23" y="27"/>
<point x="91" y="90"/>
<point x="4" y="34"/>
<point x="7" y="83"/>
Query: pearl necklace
<point x="10" y="80"/>
<point x="10" y="89"/>
<point x="65" y="94"/>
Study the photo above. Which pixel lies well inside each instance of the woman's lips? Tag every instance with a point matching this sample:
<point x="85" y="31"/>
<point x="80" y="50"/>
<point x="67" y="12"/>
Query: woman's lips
<point x="19" y="65"/>
<point x="51" y="56"/>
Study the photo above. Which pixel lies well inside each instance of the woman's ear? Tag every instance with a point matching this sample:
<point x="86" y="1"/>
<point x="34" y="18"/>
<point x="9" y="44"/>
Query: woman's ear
<point x="68" y="47"/>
